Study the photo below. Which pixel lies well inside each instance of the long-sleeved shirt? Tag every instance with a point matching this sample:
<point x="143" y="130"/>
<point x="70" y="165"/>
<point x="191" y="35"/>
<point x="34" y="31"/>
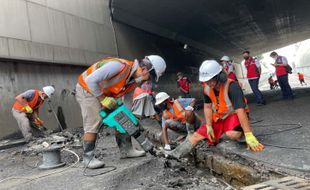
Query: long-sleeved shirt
<point x="107" y="71"/>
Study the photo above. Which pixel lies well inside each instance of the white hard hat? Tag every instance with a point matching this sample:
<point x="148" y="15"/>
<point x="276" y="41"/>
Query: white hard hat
<point x="161" y="97"/>
<point x="225" y="58"/>
<point x="208" y="70"/>
<point x="48" y="90"/>
<point x="159" y="65"/>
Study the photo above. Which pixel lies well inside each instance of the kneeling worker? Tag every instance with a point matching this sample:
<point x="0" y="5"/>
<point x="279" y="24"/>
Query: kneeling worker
<point x="98" y="87"/>
<point x="177" y="115"/>
<point x="26" y="109"/>
<point x="225" y="111"/>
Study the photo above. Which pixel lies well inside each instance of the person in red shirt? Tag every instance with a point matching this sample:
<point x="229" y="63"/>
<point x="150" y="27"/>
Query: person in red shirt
<point x="301" y="78"/>
<point x="253" y="74"/>
<point x="184" y="85"/>
<point x="229" y="68"/>
<point x="281" y="65"/>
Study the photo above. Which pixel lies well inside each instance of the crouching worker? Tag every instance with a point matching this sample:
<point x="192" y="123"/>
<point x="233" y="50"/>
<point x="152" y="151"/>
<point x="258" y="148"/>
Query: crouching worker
<point x="26" y="110"/>
<point x="177" y="115"/>
<point x="225" y="111"/>
<point x="99" y="86"/>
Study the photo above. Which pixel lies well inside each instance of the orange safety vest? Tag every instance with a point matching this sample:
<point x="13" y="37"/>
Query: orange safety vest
<point x="114" y="87"/>
<point x="137" y="92"/>
<point x="35" y="103"/>
<point x="221" y="105"/>
<point x="179" y="112"/>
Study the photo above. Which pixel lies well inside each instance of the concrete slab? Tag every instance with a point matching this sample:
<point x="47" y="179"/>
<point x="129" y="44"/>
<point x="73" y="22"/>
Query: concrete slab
<point x="18" y="171"/>
<point x="287" y="144"/>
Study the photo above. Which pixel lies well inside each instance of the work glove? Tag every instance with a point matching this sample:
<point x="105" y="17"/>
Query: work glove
<point x="27" y="109"/>
<point x="38" y="122"/>
<point x="252" y="142"/>
<point x="210" y="133"/>
<point x="109" y="103"/>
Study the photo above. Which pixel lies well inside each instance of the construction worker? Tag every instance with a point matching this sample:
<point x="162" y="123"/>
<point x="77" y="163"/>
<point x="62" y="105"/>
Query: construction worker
<point x="281" y="65"/>
<point x="301" y="78"/>
<point x="229" y="67"/>
<point x="26" y="110"/>
<point x="225" y="111"/>
<point x="184" y="85"/>
<point x="99" y="86"/>
<point x="177" y="115"/>
<point x="143" y="103"/>
<point x="253" y="74"/>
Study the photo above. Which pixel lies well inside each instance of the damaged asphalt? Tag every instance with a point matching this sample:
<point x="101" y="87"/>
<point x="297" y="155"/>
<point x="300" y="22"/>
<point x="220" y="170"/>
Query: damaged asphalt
<point x="276" y="125"/>
<point x="20" y="164"/>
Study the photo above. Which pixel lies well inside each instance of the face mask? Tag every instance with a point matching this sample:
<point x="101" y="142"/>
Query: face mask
<point x="162" y="106"/>
<point x="246" y="57"/>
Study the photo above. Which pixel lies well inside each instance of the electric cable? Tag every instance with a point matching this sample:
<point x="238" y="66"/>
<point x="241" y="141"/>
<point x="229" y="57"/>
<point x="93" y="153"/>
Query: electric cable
<point x="299" y="125"/>
<point x="48" y="174"/>
<point x="101" y="127"/>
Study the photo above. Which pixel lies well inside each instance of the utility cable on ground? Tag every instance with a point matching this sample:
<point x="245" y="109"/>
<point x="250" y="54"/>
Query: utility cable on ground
<point x="101" y="127"/>
<point x="298" y="126"/>
<point x="48" y="174"/>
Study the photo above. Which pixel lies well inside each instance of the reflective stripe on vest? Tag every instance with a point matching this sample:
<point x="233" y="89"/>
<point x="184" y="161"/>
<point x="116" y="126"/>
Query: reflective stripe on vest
<point x="35" y="103"/>
<point x="114" y="87"/>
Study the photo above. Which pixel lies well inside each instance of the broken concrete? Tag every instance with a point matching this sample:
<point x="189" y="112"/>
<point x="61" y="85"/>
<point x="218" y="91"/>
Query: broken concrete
<point x="19" y="166"/>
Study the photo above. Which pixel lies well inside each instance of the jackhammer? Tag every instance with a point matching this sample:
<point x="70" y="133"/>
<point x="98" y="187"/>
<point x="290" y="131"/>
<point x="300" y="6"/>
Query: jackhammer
<point x="122" y="119"/>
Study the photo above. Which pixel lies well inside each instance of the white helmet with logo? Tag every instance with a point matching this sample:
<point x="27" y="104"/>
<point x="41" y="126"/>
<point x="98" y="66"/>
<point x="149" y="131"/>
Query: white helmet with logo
<point x="159" y="65"/>
<point x="48" y="90"/>
<point x="208" y="70"/>
<point x="161" y="97"/>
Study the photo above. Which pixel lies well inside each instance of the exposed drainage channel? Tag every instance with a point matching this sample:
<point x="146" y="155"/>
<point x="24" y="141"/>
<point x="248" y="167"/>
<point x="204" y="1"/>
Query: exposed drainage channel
<point x="233" y="169"/>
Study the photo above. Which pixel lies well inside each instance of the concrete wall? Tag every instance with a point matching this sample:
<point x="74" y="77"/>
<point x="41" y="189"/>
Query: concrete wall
<point x="16" y="77"/>
<point x="49" y="42"/>
<point x="59" y="31"/>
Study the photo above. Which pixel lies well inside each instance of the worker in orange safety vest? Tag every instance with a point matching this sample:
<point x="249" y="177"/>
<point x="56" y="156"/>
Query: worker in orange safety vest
<point x="26" y="109"/>
<point x="177" y="115"/>
<point x="99" y="87"/>
<point x="225" y="111"/>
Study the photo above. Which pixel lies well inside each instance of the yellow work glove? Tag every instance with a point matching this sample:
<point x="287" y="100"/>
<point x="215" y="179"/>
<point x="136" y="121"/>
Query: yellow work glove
<point x="252" y="142"/>
<point x="109" y="103"/>
<point x="210" y="133"/>
<point x="27" y="109"/>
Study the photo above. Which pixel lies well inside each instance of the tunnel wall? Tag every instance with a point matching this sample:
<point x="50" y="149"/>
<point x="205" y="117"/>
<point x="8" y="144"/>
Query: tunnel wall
<point x="50" y="42"/>
<point x="71" y="31"/>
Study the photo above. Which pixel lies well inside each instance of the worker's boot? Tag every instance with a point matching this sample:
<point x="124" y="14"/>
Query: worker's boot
<point x="89" y="159"/>
<point x="180" y="151"/>
<point x="125" y="146"/>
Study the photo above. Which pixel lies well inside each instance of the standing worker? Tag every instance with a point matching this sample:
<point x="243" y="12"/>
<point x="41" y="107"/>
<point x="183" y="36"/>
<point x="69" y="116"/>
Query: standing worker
<point x="225" y="111"/>
<point x="253" y="74"/>
<point x="99" y="86"/>
<point x="229" y="67"/>
<point x="301" y="78"/>
<point x="184" y="85"/>
<point x="281" y="65"/>
<point x="26" y="109"/>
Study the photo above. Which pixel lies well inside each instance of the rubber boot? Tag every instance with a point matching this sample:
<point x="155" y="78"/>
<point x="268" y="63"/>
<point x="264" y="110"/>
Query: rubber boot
<point x="89" y="159"/>
<point x="180" y="151"/>
<point x="126" y="148"/>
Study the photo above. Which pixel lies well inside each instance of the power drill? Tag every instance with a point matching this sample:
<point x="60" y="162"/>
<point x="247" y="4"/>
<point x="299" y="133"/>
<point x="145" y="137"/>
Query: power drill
<point x="122" y="119"/>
